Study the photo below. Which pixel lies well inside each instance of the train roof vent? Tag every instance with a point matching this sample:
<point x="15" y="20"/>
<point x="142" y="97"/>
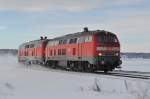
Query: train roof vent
<point x="86" y="29"/>
<point x="45" y="37"/>
<point x="41" y="37"/>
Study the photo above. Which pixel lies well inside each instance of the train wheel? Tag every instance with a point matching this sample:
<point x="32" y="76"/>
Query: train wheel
<point x="105" y="70"/>
<point x="81" y="66"/>
<point x="88" y="67"/>
<point x="75" y="66"/>
<point x="46" y="64"/>
<point x="70" y="66"/>
<point x="50" y="64"/>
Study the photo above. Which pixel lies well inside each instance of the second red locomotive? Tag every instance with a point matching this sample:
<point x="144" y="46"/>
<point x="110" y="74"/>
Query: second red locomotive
<point x="82" y="51"/>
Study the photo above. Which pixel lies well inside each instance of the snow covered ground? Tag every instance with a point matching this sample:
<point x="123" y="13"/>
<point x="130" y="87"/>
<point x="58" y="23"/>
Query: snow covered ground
<point x="24" y="82"/>
<point x="136" y="64"/>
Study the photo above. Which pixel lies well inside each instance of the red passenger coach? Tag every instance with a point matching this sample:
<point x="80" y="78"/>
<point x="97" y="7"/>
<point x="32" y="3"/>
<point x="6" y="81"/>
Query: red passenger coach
<point x="82" y="51"/>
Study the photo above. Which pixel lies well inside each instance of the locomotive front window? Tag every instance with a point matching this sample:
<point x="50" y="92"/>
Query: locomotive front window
<point x="106" y="38"/>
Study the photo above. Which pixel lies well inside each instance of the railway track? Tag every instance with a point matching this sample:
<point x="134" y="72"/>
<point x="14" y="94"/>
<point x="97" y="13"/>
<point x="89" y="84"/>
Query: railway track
<point x="118" y="73"/>
<point x="129" y="74"/>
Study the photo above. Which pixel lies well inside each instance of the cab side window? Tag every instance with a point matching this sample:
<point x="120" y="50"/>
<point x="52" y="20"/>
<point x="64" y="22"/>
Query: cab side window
<point x="73" y="41"/>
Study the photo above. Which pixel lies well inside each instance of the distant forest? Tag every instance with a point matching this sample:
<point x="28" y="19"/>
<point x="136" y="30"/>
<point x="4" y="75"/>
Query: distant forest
<point x="8" y="51"/>
<point x="135" y="55"/>
<point x="123" y="55"/>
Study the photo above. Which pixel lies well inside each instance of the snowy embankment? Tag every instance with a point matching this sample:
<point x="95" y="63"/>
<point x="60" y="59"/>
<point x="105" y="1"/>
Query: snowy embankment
<point x="35" y="82"/>
<point x="136" y="64"/>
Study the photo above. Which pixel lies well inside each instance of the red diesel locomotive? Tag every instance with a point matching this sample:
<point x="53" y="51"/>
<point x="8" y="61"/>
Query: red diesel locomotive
<point x="82" y="51"/>
<point x="32" y="52"/>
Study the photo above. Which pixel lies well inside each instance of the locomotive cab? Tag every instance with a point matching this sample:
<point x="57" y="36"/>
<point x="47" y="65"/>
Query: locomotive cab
<point x="107" y="51"/>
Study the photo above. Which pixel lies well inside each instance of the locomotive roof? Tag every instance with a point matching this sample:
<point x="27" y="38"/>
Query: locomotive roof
<point x="78" y="34"/>
<point x="31" y="42"/>
<point x="72" y="35"/>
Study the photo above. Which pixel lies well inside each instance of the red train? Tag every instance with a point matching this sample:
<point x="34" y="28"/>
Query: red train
<point x="82" y="51"/>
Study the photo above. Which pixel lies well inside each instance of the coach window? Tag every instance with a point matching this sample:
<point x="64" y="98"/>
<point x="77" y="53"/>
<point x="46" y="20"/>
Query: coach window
<point x="27" y="46"/>
<point x="32" y="45"/>
<point x="51" y="52"/>
<point x="54" y="52"/>
<point x="32" y="53"/>
<point x="60" y="42"/>
<point x="51" y="43"/>
<point x="63" y="51"/>
<point x="65" y="41"/>
<point x="82" y="39"/>
<point x="24" y="53"/>
<point x="56" y="43"/>
<point x="88" y="39"/>
<point x="59" y="51"/>
<point x="79" y="40"/>
<point x="74" y="51"/>
<point x="73" y="41"/>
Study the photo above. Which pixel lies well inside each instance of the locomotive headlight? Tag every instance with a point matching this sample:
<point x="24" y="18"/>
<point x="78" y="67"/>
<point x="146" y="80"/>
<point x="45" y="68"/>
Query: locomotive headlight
<point x="117" y="54"/>
<point x="100" y="54"/>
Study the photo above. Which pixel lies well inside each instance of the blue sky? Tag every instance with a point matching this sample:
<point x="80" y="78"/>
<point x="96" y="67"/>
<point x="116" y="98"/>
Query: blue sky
<point x="22" y="21"/>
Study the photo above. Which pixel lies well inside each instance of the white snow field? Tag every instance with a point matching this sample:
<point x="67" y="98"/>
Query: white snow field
<point x="35" y="82"/>
<point x="136" y="64"/>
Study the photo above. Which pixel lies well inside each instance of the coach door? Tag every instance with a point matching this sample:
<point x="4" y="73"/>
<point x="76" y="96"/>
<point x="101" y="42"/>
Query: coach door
<point x="80" y="47"/>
